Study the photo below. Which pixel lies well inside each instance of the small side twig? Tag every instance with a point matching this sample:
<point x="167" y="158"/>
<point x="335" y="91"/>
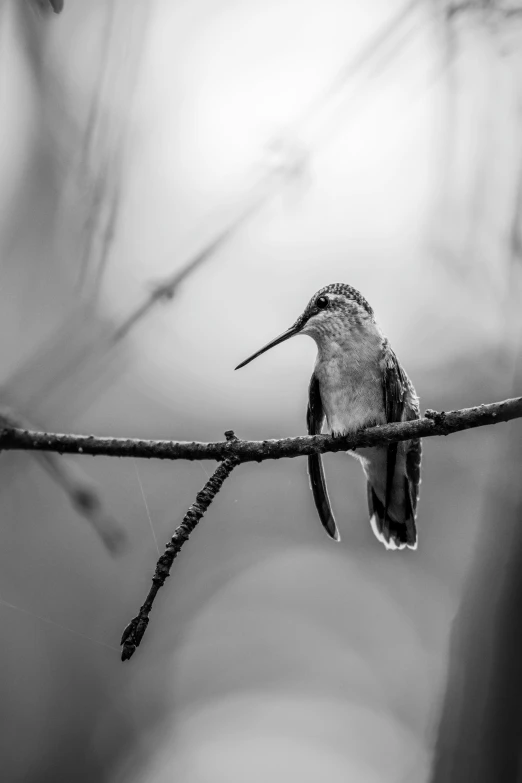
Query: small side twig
<point x="134" y="631"/>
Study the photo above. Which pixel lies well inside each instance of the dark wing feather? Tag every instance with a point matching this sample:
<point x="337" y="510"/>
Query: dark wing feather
<point x="315" y="420"/>
<point x="400" y="402"/>
<point x="394" y="384"/>
<point x="413" y="466"/>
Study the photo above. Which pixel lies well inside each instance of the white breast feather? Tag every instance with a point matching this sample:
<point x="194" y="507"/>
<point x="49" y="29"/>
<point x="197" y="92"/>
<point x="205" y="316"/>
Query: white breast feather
<point x="350" y="381"/>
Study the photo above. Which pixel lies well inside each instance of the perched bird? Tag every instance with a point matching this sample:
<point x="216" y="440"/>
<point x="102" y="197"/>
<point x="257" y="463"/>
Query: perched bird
<point x="358" y="382"/>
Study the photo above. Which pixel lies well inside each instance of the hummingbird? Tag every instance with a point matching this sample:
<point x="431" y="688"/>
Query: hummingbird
<point x="358" y="382"/>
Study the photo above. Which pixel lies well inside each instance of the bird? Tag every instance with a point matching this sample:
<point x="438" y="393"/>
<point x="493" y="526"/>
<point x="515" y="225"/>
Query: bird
<point x="358" y="382"/>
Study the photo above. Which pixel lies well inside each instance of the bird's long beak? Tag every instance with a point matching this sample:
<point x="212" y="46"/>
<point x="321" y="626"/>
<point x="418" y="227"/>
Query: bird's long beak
<point x="295" y="329"/>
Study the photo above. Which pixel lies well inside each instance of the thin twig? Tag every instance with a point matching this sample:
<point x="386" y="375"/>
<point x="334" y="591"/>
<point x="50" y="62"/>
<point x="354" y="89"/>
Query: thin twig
<point x="167" y="288"/>
<point x="482" y="6"/>
<point x="133" y="633"/>
<point x="355" y="63"/>
<point x="106" y="197"/>
<point x="99" y="181"/>
<point x="433" y="423"/>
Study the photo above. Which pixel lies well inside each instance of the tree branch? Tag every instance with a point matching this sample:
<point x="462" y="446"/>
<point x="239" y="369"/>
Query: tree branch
<point x="433" y="423"/>
<point x="133" y="633"/>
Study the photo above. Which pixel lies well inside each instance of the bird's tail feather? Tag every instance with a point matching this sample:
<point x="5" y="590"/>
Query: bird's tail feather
<point x="393" y="533"/>
<point x="320" y="493"/>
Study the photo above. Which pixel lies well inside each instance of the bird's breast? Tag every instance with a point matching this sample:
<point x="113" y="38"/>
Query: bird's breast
<point x="350" y="383"/>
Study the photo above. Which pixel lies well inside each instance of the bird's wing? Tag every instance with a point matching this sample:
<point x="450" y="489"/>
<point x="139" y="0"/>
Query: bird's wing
<point x="315" y="420"/>
<point x="395" y="386"/>
<point x="413" y="466"/>
<point x="400" y="404"/>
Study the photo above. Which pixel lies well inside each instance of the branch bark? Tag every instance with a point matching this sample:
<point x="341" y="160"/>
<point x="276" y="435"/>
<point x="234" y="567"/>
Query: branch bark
<point x="133" y="633"/>
<point x="433" y="423"/>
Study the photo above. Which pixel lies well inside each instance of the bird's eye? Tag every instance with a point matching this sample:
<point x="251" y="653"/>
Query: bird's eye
<point x="321" y="302"/>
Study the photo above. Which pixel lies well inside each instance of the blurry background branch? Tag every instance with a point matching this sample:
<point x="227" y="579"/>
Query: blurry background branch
<point x="434" y="423"/>
<point x="56" y="5"/>
<point x="501" y="9"/>
<point x="81" y="491"/>
<point x="166" y="289"/>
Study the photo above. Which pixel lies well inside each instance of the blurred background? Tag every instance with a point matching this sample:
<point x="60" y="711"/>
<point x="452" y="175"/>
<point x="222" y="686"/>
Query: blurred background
<point x="177" y="179"/>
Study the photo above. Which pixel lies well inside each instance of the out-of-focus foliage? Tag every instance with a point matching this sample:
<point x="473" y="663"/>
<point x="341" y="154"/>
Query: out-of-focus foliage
<point x="373" y="143"/>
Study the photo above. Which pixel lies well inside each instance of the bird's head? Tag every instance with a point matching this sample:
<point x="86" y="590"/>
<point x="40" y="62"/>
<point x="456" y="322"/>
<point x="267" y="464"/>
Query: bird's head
<point x="332" y="313"/>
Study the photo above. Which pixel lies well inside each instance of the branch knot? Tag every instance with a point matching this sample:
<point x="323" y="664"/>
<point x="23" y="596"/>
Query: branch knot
<point x="438" y="418"/>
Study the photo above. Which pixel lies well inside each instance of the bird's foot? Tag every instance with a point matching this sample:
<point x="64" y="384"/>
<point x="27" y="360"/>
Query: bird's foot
<point x="339" y="434"/>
